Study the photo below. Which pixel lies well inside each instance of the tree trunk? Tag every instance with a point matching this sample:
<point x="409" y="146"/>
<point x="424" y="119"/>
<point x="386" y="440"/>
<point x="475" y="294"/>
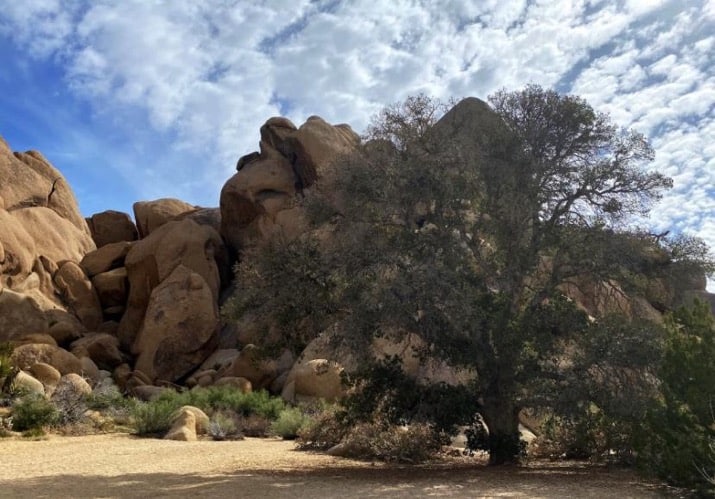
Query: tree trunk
<point x="502" y="420"/>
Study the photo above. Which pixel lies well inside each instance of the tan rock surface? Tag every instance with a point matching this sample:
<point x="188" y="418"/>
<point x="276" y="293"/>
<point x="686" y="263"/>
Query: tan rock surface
<point x="179" y="328"/>
<point x="25" y="356"/>
<point x="19" y="315"/>
<point x="78" y="292"/>
<point x="102" y="348"/>
<point x="106" y="258"/>
<point x="112" y="288"/>
<point x="151" y="260"/>
<point x="259" y="200"/>
<point x="150" y="215"/>
<point x="111" y="227"/>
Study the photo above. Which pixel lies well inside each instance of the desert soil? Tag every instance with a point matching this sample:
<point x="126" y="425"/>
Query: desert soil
<point x="120" y="465"/>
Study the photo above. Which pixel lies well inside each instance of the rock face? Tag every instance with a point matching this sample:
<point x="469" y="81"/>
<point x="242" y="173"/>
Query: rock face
<point x="150" y="215"/>
<point x="198" y="248"/>
<point x="179" y="328"/>
<point x="259" y="199"/>
<point x="40" y="228"/>
<point x="78" y="292"/>
<point x="26" y="356"/>
<point x="111" y="227"/>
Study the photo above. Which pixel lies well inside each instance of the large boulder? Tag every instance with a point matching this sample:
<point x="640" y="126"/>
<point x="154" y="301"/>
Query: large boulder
<point x="185" y="243"/>
<point x="260" y="199"/>
<point x="112" y="288"/>
<point x="180" y="327"/>
<point x="19" y="314"/>
<point x="34" y="182"/>
<point x="45" y="374"/>
<point x="187" y="422"/>
<point x="150" y="215"/>
<point x="56" y="238"/>
<point x="102" y="348"/>
<point x="253" y="365"/>
<point x="318" y="378"/>
<point x="110" y="227"/>
<point x="40" y="227"/>
<point x="26" y="356"/>
<point x="78" y="292"/>
<point x="108" y="257"/>
<point x="28" y="383"/>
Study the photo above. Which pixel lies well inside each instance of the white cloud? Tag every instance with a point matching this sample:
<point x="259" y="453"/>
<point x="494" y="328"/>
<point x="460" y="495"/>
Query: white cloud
<point x="203" y="76"/>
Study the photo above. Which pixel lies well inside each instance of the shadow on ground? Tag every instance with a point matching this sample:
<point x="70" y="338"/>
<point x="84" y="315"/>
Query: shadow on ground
<point x="414" y="482"/>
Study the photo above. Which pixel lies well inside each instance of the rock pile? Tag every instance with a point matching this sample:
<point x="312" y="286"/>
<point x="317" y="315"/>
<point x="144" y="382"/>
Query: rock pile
<point x="102" y="295"/>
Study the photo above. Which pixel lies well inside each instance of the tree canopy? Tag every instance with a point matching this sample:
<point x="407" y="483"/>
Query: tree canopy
<point x="471" y="228"/>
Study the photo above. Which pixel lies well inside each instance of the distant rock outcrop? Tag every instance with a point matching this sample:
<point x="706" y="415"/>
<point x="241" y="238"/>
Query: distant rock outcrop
<point x="261" y="198"/>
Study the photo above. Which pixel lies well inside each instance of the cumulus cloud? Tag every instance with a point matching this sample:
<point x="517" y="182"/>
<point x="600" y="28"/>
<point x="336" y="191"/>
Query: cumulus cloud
<point x="190" y="83"/>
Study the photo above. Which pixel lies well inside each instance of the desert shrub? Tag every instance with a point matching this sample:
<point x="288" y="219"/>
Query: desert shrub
<point x="222" y="426"/>
<point x="33" y="412"/>
<point x="289" y="423"/>
<point x="403" y="444"/>
<point x="254" y="425"/>
<point x="227" y="398"/>
<point x="153" y="418"/>
<point x="253" y="412"/>
<point x="7" y="370"/>
<point x="6" y="367"/>
<point x="110" y="402"/>
<point x="5" y="426"/>
<point x="325" y="428"/>
<point x="70" y="405"/>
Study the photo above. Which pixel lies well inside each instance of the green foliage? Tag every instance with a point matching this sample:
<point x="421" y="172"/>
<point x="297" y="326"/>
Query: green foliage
<point x="283" y="270"/>
<point x="154" y="417"/>
<point x="462" y="230"/>
<point x="385" y="393"/>
<point x="33" y="412"/>
<point x="289" y="423"/>
<point x="679" y="429"/>
<point x="7" y="370"/>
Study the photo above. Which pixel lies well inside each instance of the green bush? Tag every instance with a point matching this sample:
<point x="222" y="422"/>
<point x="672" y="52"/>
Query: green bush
<point x="254" y="411"/>
<point x="227" y="398"/>
<point x="153" y="418"/>
<point x="289" y="423"/>
<point x="7" y="370"/>
<point x="33" y="412"/>
<point x="678" y="432"/>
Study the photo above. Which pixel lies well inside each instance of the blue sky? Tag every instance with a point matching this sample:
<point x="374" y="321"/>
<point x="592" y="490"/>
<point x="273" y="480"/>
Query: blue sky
<point x="141" y="99"/>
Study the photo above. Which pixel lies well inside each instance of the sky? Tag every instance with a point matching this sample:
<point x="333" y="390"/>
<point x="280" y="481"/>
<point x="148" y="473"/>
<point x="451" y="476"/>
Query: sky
<point x="142" y="99"/>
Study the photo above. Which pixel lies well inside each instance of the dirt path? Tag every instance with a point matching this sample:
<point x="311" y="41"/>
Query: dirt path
<point x="118" y="465"/>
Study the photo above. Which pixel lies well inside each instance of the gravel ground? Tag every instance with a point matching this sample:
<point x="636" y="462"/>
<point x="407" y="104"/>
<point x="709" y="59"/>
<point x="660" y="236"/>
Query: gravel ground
<point x="119" y="465"/>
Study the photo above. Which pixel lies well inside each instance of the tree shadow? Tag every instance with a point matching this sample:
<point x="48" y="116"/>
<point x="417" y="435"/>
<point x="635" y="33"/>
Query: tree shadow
<point x="348" y="482"/>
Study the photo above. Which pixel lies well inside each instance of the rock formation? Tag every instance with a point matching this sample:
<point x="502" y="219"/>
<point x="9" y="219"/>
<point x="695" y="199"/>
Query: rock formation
<point x="261" y="198"/>
<point x="79" y="295"/>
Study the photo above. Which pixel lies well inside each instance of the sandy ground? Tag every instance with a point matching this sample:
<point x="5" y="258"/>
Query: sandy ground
<point x="119" y="465"/>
